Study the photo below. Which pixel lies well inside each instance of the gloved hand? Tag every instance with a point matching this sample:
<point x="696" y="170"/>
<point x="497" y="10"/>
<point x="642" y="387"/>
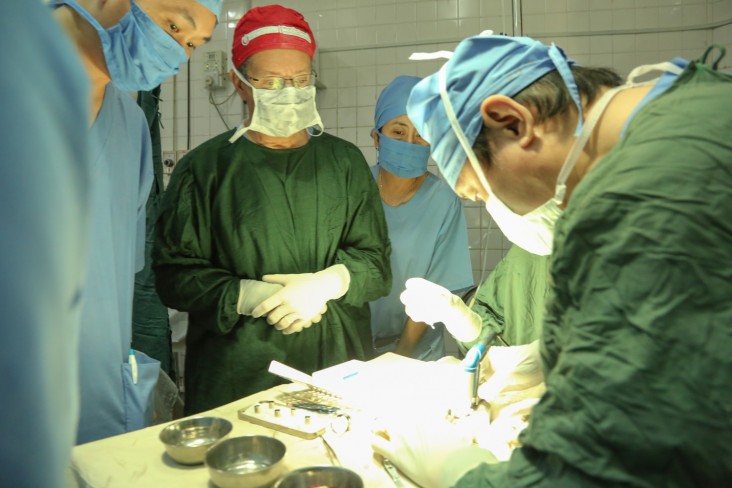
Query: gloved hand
<point x="290" y="325"/>
<point x="507" y="422"/>
<point x="431" y="451"/>
<point x="252" y="293"/>
<point x="304" y="295"/>
<point x="428" y="302"/>
<point x="510" y="369"/>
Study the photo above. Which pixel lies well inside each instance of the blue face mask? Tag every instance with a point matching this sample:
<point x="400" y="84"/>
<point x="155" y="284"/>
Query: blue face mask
<point x="402" y="158"/>
<point x="139" y="53"/>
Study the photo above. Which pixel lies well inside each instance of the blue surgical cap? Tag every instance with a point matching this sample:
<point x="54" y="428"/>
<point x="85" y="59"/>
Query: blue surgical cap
<point x="392" y="100"/>
<point x="213" y="5"/>
<point x="481" y="66"/>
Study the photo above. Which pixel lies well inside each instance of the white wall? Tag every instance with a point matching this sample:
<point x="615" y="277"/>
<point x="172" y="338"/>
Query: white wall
<point x="364" y="44"/>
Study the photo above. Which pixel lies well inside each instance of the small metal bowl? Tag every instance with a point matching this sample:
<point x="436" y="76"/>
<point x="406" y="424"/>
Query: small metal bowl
<point x="320" y="476"/>
<point x="250" y="461"/>
<point x="187" y="441"/>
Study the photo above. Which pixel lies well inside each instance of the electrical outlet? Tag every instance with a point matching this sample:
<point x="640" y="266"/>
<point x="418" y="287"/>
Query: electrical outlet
<point x="215" y="61"/>
<point x="214" y="69"/>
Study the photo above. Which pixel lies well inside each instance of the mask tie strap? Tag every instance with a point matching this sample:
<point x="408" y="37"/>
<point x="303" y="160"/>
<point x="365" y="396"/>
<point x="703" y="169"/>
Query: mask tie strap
<point x="579" y="143"/>
<point x="560" y="62"/>
<point x="595" y="114"/>
<point x="660" y="68"/>
<point x="242" y="128"/>
<point x="81" y="11"/>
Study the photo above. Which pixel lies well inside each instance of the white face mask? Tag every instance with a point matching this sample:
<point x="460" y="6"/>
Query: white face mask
<point x="534" y="231"/>
<point x="281" y="113"/>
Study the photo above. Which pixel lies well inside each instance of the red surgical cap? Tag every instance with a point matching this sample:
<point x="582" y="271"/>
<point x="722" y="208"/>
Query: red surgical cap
<point x="271" y="27"/>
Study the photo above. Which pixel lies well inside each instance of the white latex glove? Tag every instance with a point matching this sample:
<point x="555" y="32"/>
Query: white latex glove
<point x="290" y="324"/>
<point x="252" y="293"/>
<point x="501" y="436"/>
<point x="432" y="452"/>
<point x="304" y="295"/>
<point x="510" y="369"/>
<point x="428" y="302"/>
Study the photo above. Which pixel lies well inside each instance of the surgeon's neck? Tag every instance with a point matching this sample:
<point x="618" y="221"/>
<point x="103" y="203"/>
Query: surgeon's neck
<point x="298" y="139"/>
<point x="608" y="130"/>
<point x="89" y="47"/>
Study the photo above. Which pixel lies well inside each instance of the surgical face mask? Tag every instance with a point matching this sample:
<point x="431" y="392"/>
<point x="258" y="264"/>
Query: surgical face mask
<point x="281" y="113"/>
<point x="402" y="158"/>
<point x="139" y="54"/>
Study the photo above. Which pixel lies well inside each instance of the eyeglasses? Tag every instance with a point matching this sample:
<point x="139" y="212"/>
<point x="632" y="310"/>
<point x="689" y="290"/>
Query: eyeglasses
<point x="279" y="82"/>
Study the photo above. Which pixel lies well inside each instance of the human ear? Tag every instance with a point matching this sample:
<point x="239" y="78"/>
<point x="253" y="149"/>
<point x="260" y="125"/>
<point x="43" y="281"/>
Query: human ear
<point x="375" y="136"/>
<point x="238" y="85"/>
<point x="508" y="119"/>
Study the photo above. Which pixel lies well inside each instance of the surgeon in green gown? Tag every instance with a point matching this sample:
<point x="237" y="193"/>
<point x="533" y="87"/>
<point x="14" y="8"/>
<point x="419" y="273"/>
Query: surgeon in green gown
<point x="629" y="187"/>
<point x="272" y="236"/>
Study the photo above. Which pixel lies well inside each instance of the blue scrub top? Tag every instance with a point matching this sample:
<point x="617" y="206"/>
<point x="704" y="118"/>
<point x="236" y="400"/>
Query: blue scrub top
<point x="44" y="181"/>
<point x="429" y="239"/>
<point x="111" y="403"/>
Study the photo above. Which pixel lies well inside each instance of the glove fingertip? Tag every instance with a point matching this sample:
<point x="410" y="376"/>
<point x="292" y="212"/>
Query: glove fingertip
<point x="413" y="281"/>
<point x="262" y="309"/>
<point x="273" y="278"/>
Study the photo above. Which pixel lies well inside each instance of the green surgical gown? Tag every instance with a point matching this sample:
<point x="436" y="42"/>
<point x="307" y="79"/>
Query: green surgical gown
<point x="638" y="332"/>
<point x="241" y="210"/>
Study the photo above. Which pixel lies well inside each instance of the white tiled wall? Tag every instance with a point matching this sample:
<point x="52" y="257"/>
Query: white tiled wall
<point x="364" y="44"/>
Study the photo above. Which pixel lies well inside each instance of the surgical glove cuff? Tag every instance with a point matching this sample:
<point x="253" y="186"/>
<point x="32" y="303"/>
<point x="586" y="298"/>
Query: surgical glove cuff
<point x="334" y="281"/>
<point x="462" y="323"/>
<point x="252" y="293"/>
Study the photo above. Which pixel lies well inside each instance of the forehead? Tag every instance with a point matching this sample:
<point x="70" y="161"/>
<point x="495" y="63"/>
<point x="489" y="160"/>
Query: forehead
<point x="400" y="120"/>
<point x="280" y="60"/>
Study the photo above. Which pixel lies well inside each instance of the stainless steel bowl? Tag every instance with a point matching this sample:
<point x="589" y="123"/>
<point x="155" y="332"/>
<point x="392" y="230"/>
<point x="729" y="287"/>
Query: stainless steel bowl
<point x="320" y="476"/>
<point x="187" y="441"/>
<point x="251" y="461"/>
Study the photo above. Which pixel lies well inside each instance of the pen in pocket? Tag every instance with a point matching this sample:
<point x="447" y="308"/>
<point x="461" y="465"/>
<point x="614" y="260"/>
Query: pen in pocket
<point x="133" y="366"/>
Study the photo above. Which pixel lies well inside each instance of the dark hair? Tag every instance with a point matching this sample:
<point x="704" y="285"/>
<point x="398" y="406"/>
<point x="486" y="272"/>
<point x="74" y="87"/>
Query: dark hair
<point x="550" y="96"/>
<point x="244" y="66"/>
